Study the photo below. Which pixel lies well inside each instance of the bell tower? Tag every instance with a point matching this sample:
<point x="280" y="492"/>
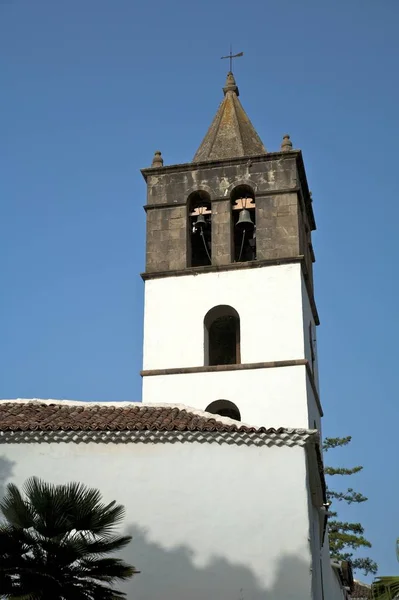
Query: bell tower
<point x="230" y="315"/>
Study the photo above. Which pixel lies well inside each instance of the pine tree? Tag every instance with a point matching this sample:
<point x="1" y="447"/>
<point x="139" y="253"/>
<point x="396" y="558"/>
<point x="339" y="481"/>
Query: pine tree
<point x="346" y="538"/>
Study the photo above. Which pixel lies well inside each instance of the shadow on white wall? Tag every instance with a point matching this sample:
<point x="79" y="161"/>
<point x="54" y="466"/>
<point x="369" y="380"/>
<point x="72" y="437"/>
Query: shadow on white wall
<point x="171" y="574"/>
<point x="6" y="467"/>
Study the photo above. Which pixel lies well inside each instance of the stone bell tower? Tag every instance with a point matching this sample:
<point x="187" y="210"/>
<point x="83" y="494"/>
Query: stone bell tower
<point x="230" y="314"/>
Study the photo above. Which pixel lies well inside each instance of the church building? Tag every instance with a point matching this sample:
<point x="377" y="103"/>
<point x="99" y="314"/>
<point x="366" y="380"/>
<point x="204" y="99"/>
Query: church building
<point x="220" y="466"/>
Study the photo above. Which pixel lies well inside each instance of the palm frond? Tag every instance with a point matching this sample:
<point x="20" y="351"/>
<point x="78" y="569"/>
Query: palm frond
<point x="54" y="542"/>
<point x="106" y="569"/>
<point x="15" y="510"/>
<point x="111" y="544"/>
<point x="385" y="588"/>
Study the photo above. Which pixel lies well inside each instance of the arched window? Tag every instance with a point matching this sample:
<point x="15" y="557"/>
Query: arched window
<point x="222" y="336"/>
<point x="224" y="408"/>
<point x="200" y="229"/>
<point x="244" y="223"/>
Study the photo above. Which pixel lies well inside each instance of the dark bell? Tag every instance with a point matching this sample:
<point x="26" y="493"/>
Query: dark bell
<point x="244" y="220"/>
<point x="200" y="222"/>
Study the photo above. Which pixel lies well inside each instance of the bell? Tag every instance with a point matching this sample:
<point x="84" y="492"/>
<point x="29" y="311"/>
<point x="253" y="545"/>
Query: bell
<point x="244" y="220"/>
<point x="200" y="222"/>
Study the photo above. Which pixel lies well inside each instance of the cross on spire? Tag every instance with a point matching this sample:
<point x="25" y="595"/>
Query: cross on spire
<point x="231" y="56"/>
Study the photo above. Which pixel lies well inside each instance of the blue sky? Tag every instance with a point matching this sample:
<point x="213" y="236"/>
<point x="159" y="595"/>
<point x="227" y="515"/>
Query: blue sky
<point x="91" y="88"/>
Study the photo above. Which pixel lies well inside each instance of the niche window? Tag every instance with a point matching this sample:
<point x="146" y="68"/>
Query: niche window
<point x="222" y="336"/>
<point x="200" y="233"/>
<point x="244" y="223"/>
<point x="224" y="408"/>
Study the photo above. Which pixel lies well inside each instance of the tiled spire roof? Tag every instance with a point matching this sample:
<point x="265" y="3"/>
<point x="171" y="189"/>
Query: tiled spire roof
<point x="231" y="133"/>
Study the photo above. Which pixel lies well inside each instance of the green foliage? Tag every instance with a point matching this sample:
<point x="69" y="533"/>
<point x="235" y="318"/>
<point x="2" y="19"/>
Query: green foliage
<point x="330" y="443"/>
<point x="53" y="542"/>
<point x="385" y="588"/>
<point x="346" y="538"/>
<point x="349" y="496"/>
<point x="342" y="471"/>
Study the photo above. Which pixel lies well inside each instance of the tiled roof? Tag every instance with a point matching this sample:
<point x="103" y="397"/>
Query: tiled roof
<point x="360" y="590"/>
<point x="231" y="133"/>
<point x="36" y="415"/>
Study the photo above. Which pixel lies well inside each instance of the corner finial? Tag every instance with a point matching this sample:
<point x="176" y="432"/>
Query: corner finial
<point x="230" y="85"/>
<point x="286" y="144"/>
<point x="157" y="161"/>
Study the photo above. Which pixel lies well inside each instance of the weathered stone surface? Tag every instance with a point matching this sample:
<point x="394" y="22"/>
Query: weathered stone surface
<point x="231" y="133"/>
<point x="268" y="173"/>
<point x="221" y="232"/>
<point x="284" y="216"/>
<point x="166" y="239"/>
<point x="277" y="226"/>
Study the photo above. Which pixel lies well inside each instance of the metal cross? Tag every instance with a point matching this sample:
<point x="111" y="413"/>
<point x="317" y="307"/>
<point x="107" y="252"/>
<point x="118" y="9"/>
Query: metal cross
<point x="231" y="56"/>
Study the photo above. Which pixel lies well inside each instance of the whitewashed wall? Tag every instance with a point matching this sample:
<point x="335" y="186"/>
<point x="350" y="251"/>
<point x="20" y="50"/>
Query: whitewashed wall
<point x="273" y="397"/>
<point x="208" y="521"/>
<point x="333" y="589"/>
<point x="307" y="319"/>
<point x="268" y="300"/>
<point x="314" y="415"/>
<point x="274" y="317"/>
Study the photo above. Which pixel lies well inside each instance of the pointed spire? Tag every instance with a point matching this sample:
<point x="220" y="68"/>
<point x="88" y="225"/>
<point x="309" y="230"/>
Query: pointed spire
<point x="286" y="144"/>
<point x="157" y="161"/>
<point x="231" y="133"/>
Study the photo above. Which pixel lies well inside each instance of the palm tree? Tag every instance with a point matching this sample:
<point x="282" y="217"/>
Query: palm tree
<point x="53" y="544"/>
<point x="385" y="588"/>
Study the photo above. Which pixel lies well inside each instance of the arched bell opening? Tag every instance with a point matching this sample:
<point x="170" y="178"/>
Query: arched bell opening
<point x="222" y="336"/>
<point x="224" y="408"/>
<point x="244" y="223"/>
<point x="200" y="229"/>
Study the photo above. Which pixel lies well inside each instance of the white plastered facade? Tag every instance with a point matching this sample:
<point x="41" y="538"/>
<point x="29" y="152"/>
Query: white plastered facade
<point x="209" y="519"/>
<point x="274" y="310"/>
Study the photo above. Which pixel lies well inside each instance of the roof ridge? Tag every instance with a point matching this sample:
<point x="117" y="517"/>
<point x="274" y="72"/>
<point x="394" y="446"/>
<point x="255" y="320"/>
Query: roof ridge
<point x="237" y="105"/>
<point x="71" y="402"/>
<point x="123" y="404"/>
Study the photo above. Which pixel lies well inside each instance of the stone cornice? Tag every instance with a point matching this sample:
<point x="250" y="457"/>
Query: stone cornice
<point x="254" y="264"/>
<point x="217" y="163"/>
<point x="222" y="368"/>
<point x="242" y="367"/>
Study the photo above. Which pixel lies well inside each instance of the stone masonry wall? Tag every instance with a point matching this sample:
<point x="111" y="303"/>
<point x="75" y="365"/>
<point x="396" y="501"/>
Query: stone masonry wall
<point x="222" y="238"/>
<point x="277" y="231"/>
<point x="278" y="224"/>
<point x="166" y="239"/>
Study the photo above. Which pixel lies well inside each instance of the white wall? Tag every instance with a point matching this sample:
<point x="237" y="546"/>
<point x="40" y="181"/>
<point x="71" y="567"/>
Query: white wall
<point x="307" y="319"/>
<point x="333" y="589"/>
<point x="314" y="415"/>
<point x="208" y="521"/>
<point x="316" y="552"/>
<point x="274" y="316"/>
<point x="273" y="397"/>
<point x="268" y="300"/>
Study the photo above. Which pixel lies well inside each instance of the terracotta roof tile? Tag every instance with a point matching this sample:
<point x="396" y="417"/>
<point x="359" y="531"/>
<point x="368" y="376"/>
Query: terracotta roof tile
<point x="58" y="416"/>
<point x="361" y="590"/>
